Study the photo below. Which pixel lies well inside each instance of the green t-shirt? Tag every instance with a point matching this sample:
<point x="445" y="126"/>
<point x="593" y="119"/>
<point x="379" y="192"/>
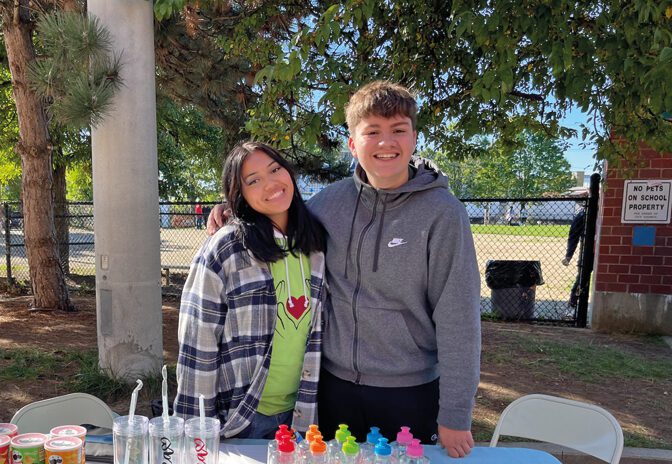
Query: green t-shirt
<point x="291" y="333"/>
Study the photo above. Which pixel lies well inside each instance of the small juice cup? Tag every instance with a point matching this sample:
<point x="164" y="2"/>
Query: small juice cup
<point x="4" y="449"/>
<point x="72" y="431"/>
<point x="27" y="448"/>
<point x="63" y="450"/>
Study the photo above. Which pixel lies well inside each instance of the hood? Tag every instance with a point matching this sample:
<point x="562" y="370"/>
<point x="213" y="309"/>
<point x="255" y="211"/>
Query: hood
<point x="423" y="175"/>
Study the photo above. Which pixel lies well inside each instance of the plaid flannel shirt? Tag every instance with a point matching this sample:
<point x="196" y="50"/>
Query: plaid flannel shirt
<point x="227" y="319"/>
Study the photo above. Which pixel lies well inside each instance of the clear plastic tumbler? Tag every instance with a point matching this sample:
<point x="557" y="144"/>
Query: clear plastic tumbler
<point x="130" y="440"/>
<point x="166" y="440"/>
<point x="201" y="440"/>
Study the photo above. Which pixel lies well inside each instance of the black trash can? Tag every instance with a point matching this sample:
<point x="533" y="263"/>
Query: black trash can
<point x="513" y="285"/>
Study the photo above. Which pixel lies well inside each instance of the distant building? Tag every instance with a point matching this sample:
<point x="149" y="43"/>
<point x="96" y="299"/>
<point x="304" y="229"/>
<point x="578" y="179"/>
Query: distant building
<point x="579" y="178"/>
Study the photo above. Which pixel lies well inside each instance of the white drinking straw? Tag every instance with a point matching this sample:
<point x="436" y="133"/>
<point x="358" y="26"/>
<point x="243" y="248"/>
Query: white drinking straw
<point x="201" y="410"/>
<point x="131" y="414"/>
<point x="134" y="401"/>
<point x="164" y="392"/>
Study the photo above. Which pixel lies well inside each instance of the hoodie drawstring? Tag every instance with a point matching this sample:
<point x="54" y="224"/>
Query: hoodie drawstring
<point x="380" y="232"/>
<point x="352" y="225"/>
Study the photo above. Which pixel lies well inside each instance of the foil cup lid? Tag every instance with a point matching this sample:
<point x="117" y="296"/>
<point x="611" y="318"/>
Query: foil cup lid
<point x="62" y="444"/>
<point x="4" y="440"/>
<point x="29" y="440"/>
<point x="8" y="429"/>
<point x="68" y="431"/>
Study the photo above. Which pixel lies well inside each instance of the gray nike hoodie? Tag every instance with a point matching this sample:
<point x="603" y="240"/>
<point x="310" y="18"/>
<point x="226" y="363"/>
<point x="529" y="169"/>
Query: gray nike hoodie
<point x="404" y="286"/>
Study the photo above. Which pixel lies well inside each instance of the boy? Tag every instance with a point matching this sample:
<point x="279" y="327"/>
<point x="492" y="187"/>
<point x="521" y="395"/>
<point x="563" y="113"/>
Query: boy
<point x="402" y="337"/>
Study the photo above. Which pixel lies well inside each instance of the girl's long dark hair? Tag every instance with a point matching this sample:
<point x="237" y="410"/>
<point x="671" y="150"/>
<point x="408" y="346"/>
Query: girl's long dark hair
<point x="304" y="233"/>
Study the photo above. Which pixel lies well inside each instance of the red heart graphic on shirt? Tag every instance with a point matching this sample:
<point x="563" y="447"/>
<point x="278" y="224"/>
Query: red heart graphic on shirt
<point x="297" y="306"/>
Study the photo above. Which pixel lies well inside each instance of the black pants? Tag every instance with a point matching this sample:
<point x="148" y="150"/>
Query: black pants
<point x="361" y="407"/>
<point x="574" y="295"/>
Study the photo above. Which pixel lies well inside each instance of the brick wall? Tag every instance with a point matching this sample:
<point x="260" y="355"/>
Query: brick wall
<point x="622" y="267"/>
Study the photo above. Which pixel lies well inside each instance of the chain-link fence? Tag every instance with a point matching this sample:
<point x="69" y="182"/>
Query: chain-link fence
<point x="182" y="233"/>
<point x="520" y="245"/>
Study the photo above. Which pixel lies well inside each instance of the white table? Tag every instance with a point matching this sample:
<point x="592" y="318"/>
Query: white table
<point x="239" y="451"/>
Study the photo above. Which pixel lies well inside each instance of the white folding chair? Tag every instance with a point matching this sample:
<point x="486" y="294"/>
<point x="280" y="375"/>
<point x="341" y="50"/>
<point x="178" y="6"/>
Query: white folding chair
<point x="580" y="426"/>
<point x="72" y="409"/>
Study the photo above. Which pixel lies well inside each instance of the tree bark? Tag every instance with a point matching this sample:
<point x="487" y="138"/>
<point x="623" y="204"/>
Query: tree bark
<point x="34" y="147"/>
<point x="70" y="5"/>
<point x="61" y="217"/>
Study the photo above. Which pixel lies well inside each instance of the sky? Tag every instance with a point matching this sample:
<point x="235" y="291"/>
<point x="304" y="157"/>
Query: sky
<point x="580" y="159"/>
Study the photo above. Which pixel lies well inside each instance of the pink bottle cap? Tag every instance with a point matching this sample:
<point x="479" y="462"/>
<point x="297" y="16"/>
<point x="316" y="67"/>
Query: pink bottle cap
<point x="404" y="437"/>
<point x="414" y="450"/>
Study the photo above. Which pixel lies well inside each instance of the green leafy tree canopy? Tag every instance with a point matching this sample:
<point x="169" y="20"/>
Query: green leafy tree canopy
<point x="491" y="67"/>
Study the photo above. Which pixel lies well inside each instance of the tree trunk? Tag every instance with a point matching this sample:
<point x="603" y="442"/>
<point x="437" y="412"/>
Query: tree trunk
<point x="46" y="275"/>
<point x="70" y="5"/>
<point x="61" y="217"/>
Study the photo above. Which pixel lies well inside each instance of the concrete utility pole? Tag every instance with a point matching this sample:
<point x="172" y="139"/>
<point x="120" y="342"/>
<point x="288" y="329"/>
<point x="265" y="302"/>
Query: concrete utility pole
<point x="126" y="201"/>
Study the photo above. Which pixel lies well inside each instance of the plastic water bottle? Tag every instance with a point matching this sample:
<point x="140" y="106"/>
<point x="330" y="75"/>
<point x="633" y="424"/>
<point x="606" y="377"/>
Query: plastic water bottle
<point x="382" y="452"/>
<point x="304" y="445"/>
<point x="272" y="450"/>
<point x="349" y="451"/>
<point x="404" y="439"/>
<point x="335" y="445"/>
<point x="286" y="451"/>
<point x="318" y="452"/>
<point x="414" y="454"/>
<point x="366" y="448"/>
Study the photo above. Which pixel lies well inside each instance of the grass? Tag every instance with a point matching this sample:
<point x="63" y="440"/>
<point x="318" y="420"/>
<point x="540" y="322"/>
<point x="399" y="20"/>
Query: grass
<point x="592" y="362"/>
<point x="526" y="230"/>
<point x="637" y="440"/>
<point x="20" y="268"/>
<point x="30" y="364"/>
<point x="33" y="364"/>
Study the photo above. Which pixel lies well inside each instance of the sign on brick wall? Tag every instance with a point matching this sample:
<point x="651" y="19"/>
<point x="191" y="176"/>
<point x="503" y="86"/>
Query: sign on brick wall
<point x="647" y="202"/>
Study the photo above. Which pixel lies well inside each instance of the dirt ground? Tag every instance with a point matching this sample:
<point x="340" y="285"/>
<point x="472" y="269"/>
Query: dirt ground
<point x="642" y="407"/>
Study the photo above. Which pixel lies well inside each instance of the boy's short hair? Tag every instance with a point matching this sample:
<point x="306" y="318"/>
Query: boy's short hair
<point x="380" y="98"/>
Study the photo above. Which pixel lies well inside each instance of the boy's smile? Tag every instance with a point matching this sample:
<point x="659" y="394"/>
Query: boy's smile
<point x="383" y="146"/>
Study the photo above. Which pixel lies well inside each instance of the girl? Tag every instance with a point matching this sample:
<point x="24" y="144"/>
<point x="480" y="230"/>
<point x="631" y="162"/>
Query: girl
<point x="250" y="316"/>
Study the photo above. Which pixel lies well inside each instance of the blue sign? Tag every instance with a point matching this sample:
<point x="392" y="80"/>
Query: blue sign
<point x="643" y="236"/>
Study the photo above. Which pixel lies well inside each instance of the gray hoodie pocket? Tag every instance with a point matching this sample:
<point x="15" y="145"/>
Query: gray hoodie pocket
<point x="385" y="345"/>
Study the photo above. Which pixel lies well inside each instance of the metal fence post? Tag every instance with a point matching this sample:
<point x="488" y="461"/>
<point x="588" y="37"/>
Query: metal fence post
<point x="8" y="243"/>
<point x="588" y="257"/>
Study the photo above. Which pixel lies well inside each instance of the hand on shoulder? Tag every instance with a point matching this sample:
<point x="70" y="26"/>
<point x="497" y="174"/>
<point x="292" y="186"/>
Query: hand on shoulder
<point x="218" y="218"/>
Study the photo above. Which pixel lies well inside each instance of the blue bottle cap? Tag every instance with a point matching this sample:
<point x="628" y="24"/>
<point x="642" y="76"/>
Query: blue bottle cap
<point x="382" y="448"/>
<point x="373" y="436"/>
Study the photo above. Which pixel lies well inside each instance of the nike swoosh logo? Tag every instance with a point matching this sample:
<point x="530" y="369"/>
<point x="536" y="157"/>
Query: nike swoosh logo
<point x="396" y="242"/>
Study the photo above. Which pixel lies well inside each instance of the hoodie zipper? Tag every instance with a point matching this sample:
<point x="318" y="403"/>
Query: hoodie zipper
<point x="355" y="344"/>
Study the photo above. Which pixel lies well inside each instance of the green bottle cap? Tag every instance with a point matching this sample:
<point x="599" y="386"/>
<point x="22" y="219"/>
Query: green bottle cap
<point x="350" y="447"/>
<point x="342" y="433"/>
